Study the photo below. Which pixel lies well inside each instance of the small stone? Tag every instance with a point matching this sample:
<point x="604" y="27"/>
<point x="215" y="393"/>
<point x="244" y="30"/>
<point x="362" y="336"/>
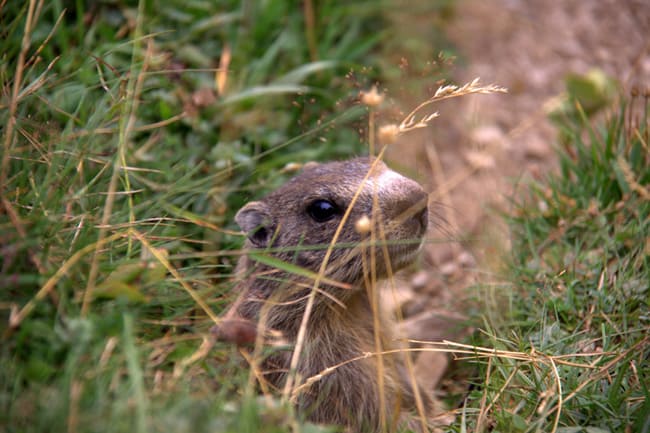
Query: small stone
<point x="420" y="280"/>
<point x="536" y="148"/>
<point x="429" y="369"/>
<point x="395" y="300"/>
<point x="479" y="160"/>
<point x="489" y="136"/>
<point x="414" y="306"/>
<point x="542" y="205"/>
<point x="466" y="260"/>
<point x="448" y="269"/>
<point x="203" y="97"/>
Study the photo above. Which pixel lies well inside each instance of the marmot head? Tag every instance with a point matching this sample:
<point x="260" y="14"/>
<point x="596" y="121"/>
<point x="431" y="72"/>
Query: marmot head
<point x="298" y="221"/>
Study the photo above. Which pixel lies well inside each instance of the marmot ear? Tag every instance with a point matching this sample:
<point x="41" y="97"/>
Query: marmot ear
<point x="255" y="220"/>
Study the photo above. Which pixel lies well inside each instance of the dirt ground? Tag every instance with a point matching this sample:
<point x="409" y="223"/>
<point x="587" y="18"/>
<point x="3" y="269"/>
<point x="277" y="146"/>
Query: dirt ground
<point x="483" y="149"/>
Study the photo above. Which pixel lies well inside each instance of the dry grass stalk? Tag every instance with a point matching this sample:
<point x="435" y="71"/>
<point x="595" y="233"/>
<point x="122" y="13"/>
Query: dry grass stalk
<point x="162" y="258"/>
<point x="33" y="12"/>
<point x="134" y="89"/>
<point x="198" y="355"/>
<point x="411" y="121"/>
<point x="484" y="406"/>
<point x="17" y="316"/>
<point x="13" y="102"/>
<point x="630" y="178"/>
<point x="469" y="352"/>
<point x="419" y="403"/>
<point x="310" y="29"/>
<point x="602" y="371"/>
<point x="221" y="75"/>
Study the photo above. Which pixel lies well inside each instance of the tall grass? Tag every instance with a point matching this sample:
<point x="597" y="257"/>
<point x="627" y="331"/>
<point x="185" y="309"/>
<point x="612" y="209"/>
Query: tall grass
<point x="132" y="132"/>
<point x="579" y="294"/>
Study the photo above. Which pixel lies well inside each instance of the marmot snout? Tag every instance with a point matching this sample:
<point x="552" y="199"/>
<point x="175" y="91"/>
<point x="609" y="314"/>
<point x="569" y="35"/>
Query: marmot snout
<point x="297" y="224"/>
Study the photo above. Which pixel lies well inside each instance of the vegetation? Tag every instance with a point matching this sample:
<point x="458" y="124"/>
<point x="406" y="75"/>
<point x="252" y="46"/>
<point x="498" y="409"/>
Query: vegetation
<point x="574" y="336"/>
<point x="132" y="132"/>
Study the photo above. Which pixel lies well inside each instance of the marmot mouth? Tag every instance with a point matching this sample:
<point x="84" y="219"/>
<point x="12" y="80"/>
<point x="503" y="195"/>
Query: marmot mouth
<point x="403" y="254"/>
<point x="422" y="217"/>
<point x="400" y="253"/>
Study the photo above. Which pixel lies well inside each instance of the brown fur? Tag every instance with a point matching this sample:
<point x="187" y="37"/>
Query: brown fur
<point x="341" y="325"/>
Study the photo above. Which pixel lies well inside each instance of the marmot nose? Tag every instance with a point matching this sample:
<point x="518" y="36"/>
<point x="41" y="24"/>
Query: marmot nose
<point x="412" y="206"/>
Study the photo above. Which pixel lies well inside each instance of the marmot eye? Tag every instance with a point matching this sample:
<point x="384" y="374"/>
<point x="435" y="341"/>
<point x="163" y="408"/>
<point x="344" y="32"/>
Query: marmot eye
<point x="322" y="210"/>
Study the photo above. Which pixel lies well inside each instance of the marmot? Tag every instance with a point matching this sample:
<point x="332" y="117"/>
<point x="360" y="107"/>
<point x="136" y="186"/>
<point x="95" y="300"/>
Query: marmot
<point x="296" y="224"/>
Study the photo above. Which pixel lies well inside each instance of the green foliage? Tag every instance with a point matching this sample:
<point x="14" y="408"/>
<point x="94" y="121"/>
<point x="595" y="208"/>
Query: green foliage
<point x="137" y="129"/>
<point x="580" y="291"/>
<point x="585" y="95"/>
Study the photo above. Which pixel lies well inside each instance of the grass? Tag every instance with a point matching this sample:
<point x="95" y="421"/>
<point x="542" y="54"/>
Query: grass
<point x="132" y="132"/>
<point x="576" y="309"/>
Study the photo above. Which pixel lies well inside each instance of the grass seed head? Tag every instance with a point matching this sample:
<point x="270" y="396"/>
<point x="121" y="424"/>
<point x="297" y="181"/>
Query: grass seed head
<point x="388" y="133"/>
<point x="372" y="98"/>
<point x="363" y="225"/>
